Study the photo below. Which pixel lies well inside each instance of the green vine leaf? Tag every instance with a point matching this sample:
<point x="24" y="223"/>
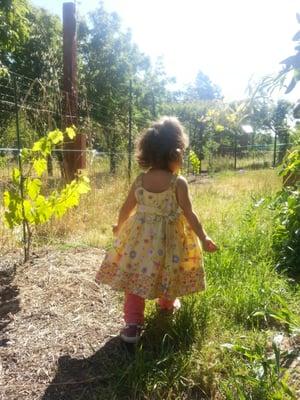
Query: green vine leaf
<point x="40" y="166"/>
<point x="33" y="187"/>
<point x="56" y="136"/>
<point x="16" y="176"/>
<point x="83" y="186"/>
<point x="35" y="208"/>
<point x="70" y="132"/>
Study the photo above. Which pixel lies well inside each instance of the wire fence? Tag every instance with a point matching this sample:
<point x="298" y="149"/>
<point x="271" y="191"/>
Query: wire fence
<point x="99" y="164"/>
<point x="30" y="108"/>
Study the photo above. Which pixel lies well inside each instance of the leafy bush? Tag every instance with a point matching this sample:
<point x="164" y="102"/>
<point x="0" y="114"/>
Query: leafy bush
<point x="195" y="162"/>
<point x="256" y="373"/>
<point x="286" y="238"/>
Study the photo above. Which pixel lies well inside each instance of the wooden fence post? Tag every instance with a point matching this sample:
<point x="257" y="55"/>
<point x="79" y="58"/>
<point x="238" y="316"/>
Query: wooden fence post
<point x="74" y="150"/>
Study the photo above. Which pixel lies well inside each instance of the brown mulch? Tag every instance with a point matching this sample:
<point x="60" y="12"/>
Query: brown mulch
<point x="58" y="328"/>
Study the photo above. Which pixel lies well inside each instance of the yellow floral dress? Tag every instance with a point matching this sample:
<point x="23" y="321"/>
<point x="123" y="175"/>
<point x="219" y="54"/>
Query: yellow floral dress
<point x="156" y="253"/>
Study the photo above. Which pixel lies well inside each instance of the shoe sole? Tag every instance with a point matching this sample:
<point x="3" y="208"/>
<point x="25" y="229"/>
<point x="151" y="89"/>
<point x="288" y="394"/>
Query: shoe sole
<point x="129" y="339"/>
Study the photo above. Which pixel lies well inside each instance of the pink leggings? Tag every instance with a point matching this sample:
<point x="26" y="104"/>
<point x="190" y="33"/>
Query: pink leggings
<point x="134" y="307"/>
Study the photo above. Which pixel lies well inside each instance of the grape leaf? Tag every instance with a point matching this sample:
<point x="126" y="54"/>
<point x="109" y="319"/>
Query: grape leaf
<point x="40" y="166"/>
<point x="70" y="132"/>
<point x="56" y="136"/>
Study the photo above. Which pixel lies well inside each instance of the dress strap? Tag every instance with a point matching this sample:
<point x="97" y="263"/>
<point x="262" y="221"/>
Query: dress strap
<point x="138" y="181"/>
<point x="173" y="182"/>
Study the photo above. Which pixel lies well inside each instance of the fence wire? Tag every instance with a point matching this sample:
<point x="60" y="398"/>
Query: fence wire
<point x="43" y="106"/>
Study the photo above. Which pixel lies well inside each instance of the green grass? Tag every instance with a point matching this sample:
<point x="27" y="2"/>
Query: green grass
<point x="219" y="346"/>
<point x="245" y="304"/>
<point x="255" y="161"/>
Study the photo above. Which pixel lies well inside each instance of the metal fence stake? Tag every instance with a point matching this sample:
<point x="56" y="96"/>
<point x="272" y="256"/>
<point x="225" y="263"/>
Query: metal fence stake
<point x="25" y="236"/>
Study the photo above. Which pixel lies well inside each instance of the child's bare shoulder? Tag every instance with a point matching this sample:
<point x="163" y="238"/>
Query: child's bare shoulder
<point x="181" y="184"/>
<point x="181" y="181"/>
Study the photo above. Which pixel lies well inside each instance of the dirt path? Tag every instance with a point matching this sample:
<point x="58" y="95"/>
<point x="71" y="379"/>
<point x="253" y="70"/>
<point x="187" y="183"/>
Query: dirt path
<point x="54" y="322"/>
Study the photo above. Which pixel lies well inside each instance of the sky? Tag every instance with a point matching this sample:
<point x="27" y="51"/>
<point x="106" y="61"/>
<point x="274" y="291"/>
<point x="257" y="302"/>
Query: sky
<point x="231" y="41"/>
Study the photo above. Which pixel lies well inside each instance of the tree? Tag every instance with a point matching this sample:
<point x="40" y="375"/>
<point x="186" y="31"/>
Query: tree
<point x="292" y="63"/>
<point x="14" y="26"/>
<point x="14" y="30"/>
<point x="105" y="74"/>
<point x="279" y="123"/>
<point x="108" y="62"/>
<point x="214" y="127"/>
<point x="267" y="116"/>
<point x="39" y="57"/>
<point x="151" y="93"/>
<point x="203" y="89"/>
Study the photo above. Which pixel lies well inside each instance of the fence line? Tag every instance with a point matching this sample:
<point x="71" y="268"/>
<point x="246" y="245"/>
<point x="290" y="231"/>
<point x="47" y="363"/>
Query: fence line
<point x="51" y="98"/>
<point x="125" y="152"/>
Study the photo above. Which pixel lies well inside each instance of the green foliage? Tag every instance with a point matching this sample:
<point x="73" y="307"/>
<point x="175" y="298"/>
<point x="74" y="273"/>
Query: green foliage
<point x="270" y="119"/>
<point x="257" y="373"/>
<point x="282" y="316"/>
<point x="163" y="358"/>
<point x="34" y="49"/>
<point x="107" y="61"/>
<point x="291" y="164"/>
<point x="287" y="231"/>
<point x="25" y="203"/>
<point x="210" y="151"/>
<point x="182" y="357"/>
<point x="202" y="89"/>
<point x="213" y="127"/>
<point x="40" y="58"/>
<point x="286" y="239"/>
<point x="195" y="162"/>
<point x="295" y="135"/>
<point x="292" y="63"/>
<point x="14" y="26"/>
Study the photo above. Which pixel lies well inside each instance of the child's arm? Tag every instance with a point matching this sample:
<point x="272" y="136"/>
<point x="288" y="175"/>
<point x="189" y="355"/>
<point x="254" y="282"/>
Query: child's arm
<point x="186" y="205"/>
<point x="126" y="209"/>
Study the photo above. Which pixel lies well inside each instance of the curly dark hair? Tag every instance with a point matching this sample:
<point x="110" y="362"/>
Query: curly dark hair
<point x="161" y="144"/>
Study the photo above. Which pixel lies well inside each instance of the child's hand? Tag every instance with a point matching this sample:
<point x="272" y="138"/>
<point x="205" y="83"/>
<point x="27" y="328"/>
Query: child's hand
<point x="209" y="245"/>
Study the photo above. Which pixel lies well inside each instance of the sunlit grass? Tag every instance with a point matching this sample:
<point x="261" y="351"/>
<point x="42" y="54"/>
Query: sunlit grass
<point x="184" y="359"/>
<point x="220" y="202"/>
<point x="219" y="163"/>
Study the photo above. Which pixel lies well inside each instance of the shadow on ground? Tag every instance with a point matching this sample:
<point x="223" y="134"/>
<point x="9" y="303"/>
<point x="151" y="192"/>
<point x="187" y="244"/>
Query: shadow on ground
<point x="119" y="371"/>
<point x="9" y="300"/>
<point x="89" y="378"/>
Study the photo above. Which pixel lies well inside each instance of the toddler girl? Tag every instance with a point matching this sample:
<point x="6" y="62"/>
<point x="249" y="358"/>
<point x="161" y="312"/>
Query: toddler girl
<point x="156" y="254"/>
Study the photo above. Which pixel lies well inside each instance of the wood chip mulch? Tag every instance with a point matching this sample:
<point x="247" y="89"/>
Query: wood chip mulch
<point x="58" y="328"/>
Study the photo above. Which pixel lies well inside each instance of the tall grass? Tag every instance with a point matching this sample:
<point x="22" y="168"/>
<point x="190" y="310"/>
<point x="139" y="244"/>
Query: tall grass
<point x="199" y="354"/>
